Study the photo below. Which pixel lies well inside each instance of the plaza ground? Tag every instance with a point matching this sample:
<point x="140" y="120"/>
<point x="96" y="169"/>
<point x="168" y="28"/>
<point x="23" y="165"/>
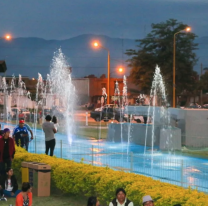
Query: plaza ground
<point x="54" y="200"/>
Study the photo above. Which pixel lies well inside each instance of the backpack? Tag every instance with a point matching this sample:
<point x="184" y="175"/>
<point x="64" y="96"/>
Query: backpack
<point x="115" y="203"/>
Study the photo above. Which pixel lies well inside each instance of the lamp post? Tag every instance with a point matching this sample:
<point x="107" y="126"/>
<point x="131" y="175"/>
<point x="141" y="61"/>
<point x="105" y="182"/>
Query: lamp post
<point x="96" y="44"/>
<point x="174" y="51"/>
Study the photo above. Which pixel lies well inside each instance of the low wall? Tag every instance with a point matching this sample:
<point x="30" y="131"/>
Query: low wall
<point x="166" y="139"/>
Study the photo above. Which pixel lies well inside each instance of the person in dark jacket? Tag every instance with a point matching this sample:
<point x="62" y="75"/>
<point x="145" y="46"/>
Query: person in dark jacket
<point x="8" y="184"/>
<point x="121" y="199"/>
<point x="93" y="201"/>
<point x="7" y="151"/>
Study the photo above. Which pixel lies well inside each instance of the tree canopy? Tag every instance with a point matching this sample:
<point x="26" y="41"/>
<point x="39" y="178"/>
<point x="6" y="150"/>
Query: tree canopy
<point x="203" y="83"/>
<point x="157" y="49"/>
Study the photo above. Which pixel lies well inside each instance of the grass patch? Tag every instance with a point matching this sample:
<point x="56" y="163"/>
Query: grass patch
<point x="92" y="132"/>
<point x="84" y="131"/>
<point x="195" y="152"/>
<point x="96" y="124"/>
<point x="53" y="200"/>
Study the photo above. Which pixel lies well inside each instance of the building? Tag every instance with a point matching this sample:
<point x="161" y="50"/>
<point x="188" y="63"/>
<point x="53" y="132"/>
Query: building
<point x="90" y="89"/>
<point x="87" y="89"/>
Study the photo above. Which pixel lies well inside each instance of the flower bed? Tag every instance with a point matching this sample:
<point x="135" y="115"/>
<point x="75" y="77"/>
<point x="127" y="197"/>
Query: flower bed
<point x="83" y="179"/>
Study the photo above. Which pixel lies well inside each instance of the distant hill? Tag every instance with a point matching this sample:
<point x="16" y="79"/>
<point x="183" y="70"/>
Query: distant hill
<point x="28" y="56"/>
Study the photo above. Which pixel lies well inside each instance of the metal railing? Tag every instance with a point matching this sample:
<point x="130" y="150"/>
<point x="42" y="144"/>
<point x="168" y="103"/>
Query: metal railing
<point x="184" y="171"/>
<point x="174" y="169"/>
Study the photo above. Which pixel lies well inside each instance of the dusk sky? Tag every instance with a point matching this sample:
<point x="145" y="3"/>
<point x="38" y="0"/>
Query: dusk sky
<point x="62" y="19"/>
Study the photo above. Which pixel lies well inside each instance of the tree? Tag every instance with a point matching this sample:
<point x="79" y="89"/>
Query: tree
<point x="103" y="76"/>
<point x="157" y="49"/>
<point x="203" y="83"/>
<point x="90" y="76"/>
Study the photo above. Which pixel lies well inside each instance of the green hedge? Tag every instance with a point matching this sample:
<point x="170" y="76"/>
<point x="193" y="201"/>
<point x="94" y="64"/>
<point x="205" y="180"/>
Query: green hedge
<point x="82" y="179"/>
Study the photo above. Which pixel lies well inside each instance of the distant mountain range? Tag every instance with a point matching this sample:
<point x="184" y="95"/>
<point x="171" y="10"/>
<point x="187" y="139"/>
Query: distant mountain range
<point x="28" y="56"/>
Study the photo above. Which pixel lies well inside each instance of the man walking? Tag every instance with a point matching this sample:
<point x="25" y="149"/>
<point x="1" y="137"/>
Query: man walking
<point x="7" y="151"/>
<point x="27" y="138"/>
<point x="20" y="133"/>
<point x="49" y="130"/>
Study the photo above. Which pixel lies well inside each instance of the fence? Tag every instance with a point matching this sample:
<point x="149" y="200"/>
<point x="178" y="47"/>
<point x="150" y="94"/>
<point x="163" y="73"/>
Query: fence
<point x="181" y="171"/>
<point x="175" y="169"/>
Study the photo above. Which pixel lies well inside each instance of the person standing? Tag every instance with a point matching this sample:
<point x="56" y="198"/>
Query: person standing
<point x="20" y="133"/>
<point x="121" y="199"/>
<point x="49" y="130"/>
<point x="7" y="151"/>
<point x="27" y="138"/>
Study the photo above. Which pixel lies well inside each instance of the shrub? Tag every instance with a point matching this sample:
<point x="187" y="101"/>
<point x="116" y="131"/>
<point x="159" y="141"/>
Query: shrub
<point x="80" y="178"/>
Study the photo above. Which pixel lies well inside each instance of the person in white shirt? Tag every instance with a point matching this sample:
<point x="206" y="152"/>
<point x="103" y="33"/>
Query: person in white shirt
<point x="147" y="201"/>
<point x="49" y="130"/>
<point x="121" y="199"/>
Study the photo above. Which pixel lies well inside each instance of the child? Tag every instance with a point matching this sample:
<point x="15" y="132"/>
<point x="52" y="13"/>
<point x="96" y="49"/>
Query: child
<point x="55" y="121"/>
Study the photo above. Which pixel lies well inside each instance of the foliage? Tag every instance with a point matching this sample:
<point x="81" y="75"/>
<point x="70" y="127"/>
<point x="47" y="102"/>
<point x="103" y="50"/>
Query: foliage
<point x="90" y="76"/>
<point x="203" y="83"/>
<point x="157" y="49"/>
<point x="103" y="76"/>
<point x="82" y="179"/>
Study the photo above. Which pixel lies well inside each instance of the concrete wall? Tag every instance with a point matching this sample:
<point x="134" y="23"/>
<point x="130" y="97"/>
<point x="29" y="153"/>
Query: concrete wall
<point x="193" y="124"/>
<point x="135" y="132"/>
<point x="82" y="87"/>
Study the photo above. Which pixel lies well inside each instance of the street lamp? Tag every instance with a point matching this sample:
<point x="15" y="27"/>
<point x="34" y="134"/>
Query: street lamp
<point x="96" y="44"/>
<point x="174" y="51"/>
<point x="7" y="37"/>
<point x="120" y="69"/>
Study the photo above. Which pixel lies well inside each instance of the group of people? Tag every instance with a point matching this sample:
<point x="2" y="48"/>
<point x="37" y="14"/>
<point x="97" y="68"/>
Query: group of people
<point x="20" y="136"/>
<point x="9" y="188"/>
<point x="122" y="200"/>
<point x="8" y="181"/>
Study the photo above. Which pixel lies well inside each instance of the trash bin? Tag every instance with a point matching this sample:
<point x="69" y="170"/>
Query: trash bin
<point x="40" y="179"/>
<point x="25" y="171"/>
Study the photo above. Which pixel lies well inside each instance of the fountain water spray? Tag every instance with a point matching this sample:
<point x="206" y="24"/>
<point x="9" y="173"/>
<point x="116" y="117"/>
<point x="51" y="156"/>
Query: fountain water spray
<point x="4" y="88"/>
<point x="158" y="98"/>
<point x="63" y="91"/>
